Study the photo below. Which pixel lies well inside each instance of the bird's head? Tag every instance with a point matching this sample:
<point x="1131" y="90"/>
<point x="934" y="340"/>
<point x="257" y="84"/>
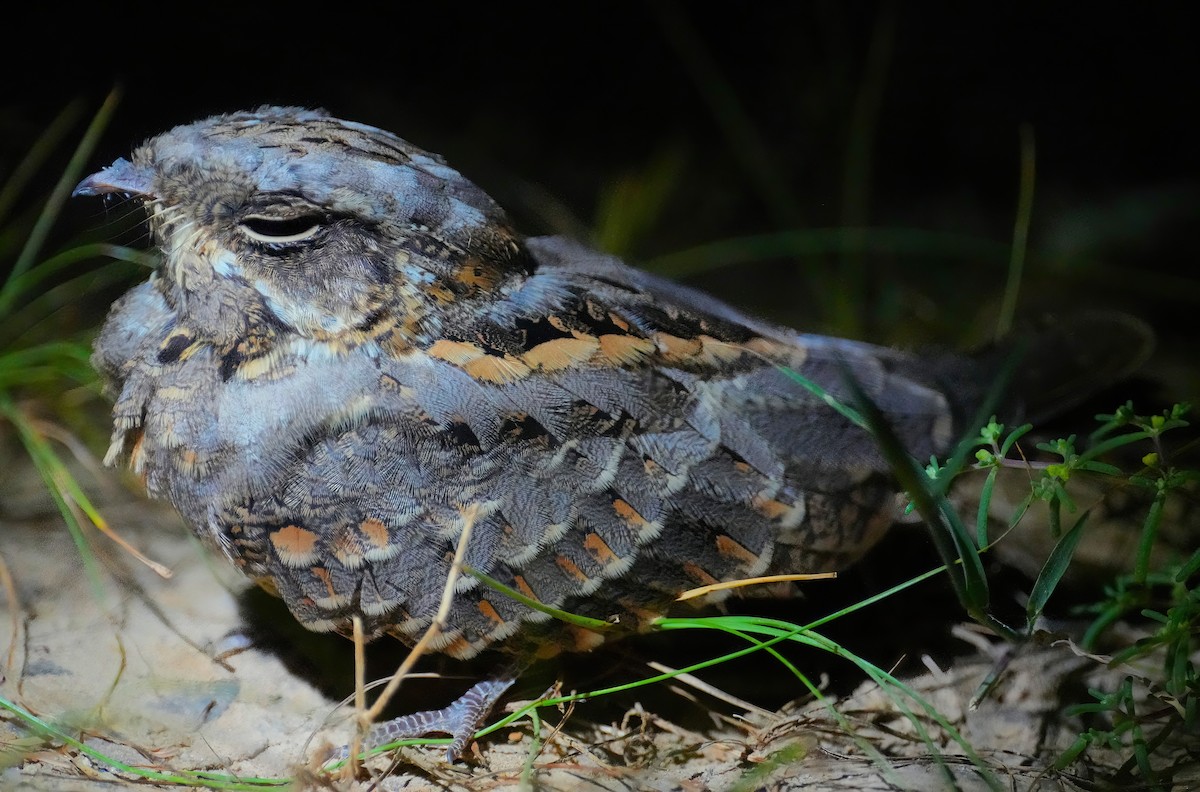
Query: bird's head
<point x="308" y="222"/>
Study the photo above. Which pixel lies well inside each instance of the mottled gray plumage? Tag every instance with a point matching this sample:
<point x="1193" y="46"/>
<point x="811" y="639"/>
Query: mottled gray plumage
<point x="347" y="345"/>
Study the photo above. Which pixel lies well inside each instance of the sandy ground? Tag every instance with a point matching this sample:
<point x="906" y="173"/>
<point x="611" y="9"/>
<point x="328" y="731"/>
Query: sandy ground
<point x="124" y="662"/>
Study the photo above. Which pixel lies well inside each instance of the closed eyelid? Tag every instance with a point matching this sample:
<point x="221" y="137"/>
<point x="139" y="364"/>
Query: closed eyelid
<point x="282" y="230"/>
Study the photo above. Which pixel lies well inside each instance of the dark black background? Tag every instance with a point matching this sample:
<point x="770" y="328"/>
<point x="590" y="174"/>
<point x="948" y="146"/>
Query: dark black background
<point x="546" y="106"/>
<point x="598" y="86"/>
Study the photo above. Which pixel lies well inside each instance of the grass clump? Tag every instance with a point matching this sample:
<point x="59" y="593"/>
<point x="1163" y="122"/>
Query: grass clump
<point x="39" y="362"/>
<point x="1152" y="709"/>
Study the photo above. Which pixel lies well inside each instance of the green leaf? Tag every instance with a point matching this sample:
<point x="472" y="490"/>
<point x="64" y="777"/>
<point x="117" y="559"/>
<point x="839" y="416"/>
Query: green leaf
<point x="1054" y="569"/>
<point x="985" y="505"/>
<point x="1013" y="437"/>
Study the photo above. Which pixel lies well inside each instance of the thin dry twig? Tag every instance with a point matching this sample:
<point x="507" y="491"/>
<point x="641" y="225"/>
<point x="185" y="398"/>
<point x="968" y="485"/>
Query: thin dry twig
<point x="14" y="605"/>
<point x="84" y="513"/>
<point x="360" y="699"/>
<point x="754" y="581"/>
<point x="102" y="525"/>
<point x="470" y="514"/>
<point x="704" y="687"/>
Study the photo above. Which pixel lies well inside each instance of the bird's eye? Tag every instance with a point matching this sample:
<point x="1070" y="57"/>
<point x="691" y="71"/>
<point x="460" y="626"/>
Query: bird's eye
<point x="281" y="230"/>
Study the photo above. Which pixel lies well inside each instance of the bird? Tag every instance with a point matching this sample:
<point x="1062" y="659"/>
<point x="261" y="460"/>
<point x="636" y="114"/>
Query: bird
<point x="348" y="357"/>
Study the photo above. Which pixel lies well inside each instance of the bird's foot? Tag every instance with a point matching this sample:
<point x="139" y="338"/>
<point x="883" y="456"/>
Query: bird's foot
<point x="460" y="720"/>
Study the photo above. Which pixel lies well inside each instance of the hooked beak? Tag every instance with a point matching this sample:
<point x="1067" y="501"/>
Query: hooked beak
<point x="120" y="177"/>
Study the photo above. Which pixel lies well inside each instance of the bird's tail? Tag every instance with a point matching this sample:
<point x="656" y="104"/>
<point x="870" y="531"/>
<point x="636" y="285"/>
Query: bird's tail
<point x="1061" y="361"/>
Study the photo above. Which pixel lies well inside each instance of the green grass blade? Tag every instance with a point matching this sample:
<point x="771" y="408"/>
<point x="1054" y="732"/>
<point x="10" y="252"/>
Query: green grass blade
<point x="816" y="242"/>
<point x="495" y="585"/>
<point x="27" y="282"/>
<point x="1020" y="243"/>
<point x="207" y="779"/>
<point x="845" y="410"/>
<point x="745" y="142"/>
<point x="62" y="189"/>
<point x="54" y="473"/>
<point x="41" y="150"/>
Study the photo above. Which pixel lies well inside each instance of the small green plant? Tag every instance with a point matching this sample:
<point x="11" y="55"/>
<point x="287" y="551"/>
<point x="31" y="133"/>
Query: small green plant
<point x="1149" y="708"/>
<point x="1159" y="702"/>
